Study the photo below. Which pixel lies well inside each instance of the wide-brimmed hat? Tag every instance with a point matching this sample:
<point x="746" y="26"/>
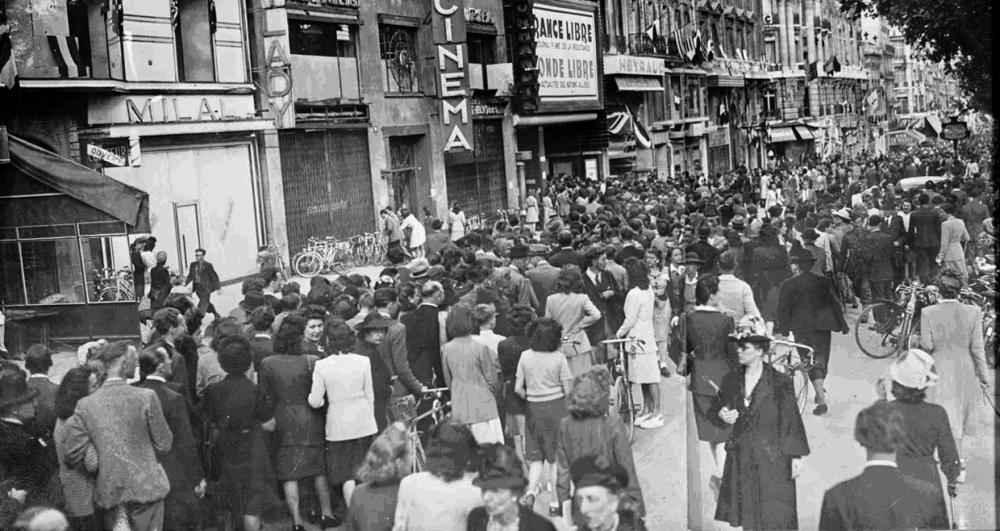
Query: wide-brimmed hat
<point x="373" y="320"/>
<point x="843" y="214"/>
<point x="500" y="469"/>
<point x="14" y="389"/>
<point x="693" y="259"/>
<point x="252" y="300"/>
<point x="419" y="267"/>
<point x="914" y="370"/>
<point x="751" y="329"/>
<point x="590" y="471"/>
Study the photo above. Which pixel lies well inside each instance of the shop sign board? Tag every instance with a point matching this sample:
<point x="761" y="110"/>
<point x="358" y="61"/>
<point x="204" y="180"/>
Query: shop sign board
<point x="453" y="81"/>
<point x="568" y="53"/>
<point x="162" y="109"/>
<point x="954" y="130"/>
<point x="488" y="106"/>
<point x="99" y="153"/>
<point x="634" y="66"/>
<point x="480" y="16"/>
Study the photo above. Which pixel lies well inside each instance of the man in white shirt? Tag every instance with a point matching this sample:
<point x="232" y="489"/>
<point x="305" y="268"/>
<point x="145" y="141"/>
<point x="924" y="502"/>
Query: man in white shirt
<point x="412" y="227"/>
<point x="735" y="296"/>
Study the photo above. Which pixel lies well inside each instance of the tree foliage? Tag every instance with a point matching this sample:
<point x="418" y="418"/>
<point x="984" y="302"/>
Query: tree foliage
<point x="957" y="33"/>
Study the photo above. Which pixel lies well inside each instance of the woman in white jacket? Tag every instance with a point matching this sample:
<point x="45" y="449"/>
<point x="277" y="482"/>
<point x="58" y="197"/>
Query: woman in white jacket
<point x="644" y="366"/>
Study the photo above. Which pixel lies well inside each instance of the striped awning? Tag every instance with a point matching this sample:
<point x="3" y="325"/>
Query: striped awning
<point x="804" y="133"/>
<point x="638" y="84"/>
<point x="778" y="135"/>
<point x="724" y="80"/>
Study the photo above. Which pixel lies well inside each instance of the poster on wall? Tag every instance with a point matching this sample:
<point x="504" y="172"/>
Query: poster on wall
<point x="569" y="69"/>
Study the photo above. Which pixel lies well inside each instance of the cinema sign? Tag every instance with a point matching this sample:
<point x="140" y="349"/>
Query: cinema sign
<point x="452" y="69"/>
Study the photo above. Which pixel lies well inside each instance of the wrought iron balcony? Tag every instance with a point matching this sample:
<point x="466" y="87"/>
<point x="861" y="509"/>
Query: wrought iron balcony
<point x="642" y="44"/>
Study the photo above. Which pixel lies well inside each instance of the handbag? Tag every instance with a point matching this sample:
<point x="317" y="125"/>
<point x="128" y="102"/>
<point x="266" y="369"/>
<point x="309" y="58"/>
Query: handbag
<point x="402" y="405"/>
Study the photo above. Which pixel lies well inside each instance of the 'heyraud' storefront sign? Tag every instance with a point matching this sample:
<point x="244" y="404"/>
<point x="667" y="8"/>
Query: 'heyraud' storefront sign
<point x="566" y="46"/>
<point x="453" y="83"/>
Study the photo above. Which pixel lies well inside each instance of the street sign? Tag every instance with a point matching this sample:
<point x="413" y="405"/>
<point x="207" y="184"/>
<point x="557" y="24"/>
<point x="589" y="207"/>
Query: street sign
<point x="100" y="153"/>
<point x="954" y="130"/>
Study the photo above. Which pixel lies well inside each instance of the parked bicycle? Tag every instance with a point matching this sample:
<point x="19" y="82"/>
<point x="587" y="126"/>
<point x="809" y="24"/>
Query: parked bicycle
<point x="794" y="360"/>
<point x="439" y="412"/>
<point x="888" y="327"/>
<point x="322" y="255"/>
<point x="112" y="285"/>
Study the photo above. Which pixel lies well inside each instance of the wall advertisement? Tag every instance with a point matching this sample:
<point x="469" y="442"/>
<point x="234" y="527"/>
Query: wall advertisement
<point x="568" y="54"/>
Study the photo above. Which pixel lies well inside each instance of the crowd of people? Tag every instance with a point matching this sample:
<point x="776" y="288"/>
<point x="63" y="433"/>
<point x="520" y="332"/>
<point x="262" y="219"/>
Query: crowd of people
<point x="301" y="397"/>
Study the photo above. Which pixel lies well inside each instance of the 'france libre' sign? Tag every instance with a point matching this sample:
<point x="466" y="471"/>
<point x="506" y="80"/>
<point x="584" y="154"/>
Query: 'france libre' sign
<point x="453" y="81"/>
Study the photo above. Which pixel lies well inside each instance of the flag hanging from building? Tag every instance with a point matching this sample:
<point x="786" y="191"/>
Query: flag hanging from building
<point x="617" y="122"/>
<point x="67" y="56"/>
<point x="641" y="135"/>
<point x="698" y="56"/>
<point x="813" y="71"/>
<point x="8" y="68"/>
<point x="653" y="31"/>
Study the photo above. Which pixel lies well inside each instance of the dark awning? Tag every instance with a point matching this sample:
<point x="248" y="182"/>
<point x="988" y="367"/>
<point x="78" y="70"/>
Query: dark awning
<point x="112" y="197"/>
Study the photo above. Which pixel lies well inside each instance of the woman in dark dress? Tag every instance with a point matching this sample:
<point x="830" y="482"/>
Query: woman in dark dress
<point x="768" y="268"/>
<point x="768" y="440"/>
<point x="927" y="429"/>
<point x="509" y="351"/>
<point x="239" y="413"/>
<point x="159" y="282"/>
<point x="285" y="378"/>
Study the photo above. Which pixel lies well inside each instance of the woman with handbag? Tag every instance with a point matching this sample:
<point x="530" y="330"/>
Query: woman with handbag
<point x="285" y="378"/>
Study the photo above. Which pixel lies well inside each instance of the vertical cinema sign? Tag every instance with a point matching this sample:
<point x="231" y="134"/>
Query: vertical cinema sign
<point x="453" y="81"/>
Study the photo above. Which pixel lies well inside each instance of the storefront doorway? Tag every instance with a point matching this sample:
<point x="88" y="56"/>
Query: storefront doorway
<point x="477" y="179"/>
<point x="403" y="171"/>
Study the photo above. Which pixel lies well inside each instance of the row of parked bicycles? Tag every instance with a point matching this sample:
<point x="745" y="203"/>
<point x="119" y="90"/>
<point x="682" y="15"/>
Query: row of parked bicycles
<point x="331" y="255"/>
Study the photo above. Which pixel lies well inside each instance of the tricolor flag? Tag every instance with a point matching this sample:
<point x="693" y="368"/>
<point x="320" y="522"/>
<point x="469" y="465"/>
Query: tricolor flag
<point x="641" y="135"/>
<point x="617" y="122"/>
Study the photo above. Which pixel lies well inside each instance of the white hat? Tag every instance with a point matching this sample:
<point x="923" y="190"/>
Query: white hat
<point x="843" y="214"/>
<point x="915" y="369"/>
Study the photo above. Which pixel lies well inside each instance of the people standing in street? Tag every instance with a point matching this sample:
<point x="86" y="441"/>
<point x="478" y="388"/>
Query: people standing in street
<point x="501" y="479"/>
<point x="414" y="232"/>
<point x="575" y="313"/>
<point x="735" y="296"/>
<point x="456" y="222"/>
<point x="951" y="253"/>
<point x="159" y="282"/>
<point x="809" y="310"/>
<point x="768" y="441"/>
<point x="388" y="461"/>
<point x="768" y="268"/>
<point x="926" y="228"/>
<point x="471" y="371"/>
<point x="204" y="280"/>
<point x="77" y="482"/>
<point x="878" y="255"/>
<point x="644" y="367"/>
<point x="531" y="217"/>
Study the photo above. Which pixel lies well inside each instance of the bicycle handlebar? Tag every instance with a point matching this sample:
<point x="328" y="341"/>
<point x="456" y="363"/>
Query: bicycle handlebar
<point x="623" y="340"/>
<point x="792" y="344"/>
<point x="436" y="390"/>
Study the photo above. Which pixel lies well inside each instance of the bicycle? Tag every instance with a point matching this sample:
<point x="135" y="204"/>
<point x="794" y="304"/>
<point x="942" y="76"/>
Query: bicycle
<point x="981" y="294"/>
<point x="622" y="401"/>
<point x="792" y="362"/>
<point x="111" y="285"/>
<point x="439" y="413"/>
<point x="321" y="255"/>
<point x="889" y="326"/>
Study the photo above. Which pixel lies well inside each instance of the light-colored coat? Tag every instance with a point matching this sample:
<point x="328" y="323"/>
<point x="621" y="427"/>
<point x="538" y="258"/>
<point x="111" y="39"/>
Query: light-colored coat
<point x="575" y="312"/>
<point x="953" y="233"/>
<point x="345" y="382"/>
<point x="126" y="426"/>
<point x="952" y="332"/>
<point x="470" y="371"/>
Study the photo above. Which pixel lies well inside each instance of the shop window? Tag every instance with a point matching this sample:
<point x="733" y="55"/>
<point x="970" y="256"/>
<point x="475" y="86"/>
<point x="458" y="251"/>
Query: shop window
<point x="107" y="268"/>
<point x="482" y="52"/>
<point x="194" y="26"/>
<point x="11" y="284"/>
<point x="399" y="58"/>
<point x="324" y="60"/>
<point x="676" y="97"/>
<point x="655" y="108"/>
<point x="692" y="99"/>
<point x="52" y="272"/>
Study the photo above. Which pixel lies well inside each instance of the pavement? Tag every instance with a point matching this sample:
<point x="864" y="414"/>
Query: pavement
<point x="661" y="455"/>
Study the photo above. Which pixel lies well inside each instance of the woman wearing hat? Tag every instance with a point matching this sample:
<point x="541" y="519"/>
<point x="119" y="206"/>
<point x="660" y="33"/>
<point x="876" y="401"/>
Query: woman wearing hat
<point x="501" y="479"/>
<point x="927" y="430"/>
<point x="24" y="459"/>
<point x="767" y="442"/>
<point x="239" y="413"/>
<point x="952" y="332"/>
<point x="599" y="490"/>
<point x="343" y="383"/>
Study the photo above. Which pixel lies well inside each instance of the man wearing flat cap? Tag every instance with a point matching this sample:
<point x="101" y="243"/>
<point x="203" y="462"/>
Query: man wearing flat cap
<point x="808" y="307"/>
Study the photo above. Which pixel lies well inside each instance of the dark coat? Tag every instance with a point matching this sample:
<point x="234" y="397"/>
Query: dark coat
<point x="707" y="252"/>
<point x="393" y="350"/>
<point x="543" y="281"/>
<point x="768" y="268"/>
<point x="209" y="278"/>
<point x="808" y="303"/>
<point x="528" y="520"/>
<point x="423" y="344"/>
<point x="881" y="498"/>
<point x="927" y="430"/>
<point x="878" y="253"/>
<point x="611" y="309"/>
<point x="757" y="491"/>
<point x="25" y="461"/>
<point x="926" y="227"/>
<point x="902" y="235"/>
<point x="286" y="381"/>
<point x="181" y="463"/>
<point x="159" y="286"/>
<point x="45" y="407"/>
<point x="567" y="256"/>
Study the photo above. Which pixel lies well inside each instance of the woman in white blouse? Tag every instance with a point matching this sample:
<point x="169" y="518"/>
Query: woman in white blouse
<point x="644" y="367"/>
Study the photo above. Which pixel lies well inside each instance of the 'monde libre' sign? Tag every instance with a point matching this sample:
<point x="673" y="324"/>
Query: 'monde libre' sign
<point x="566" y="46"/>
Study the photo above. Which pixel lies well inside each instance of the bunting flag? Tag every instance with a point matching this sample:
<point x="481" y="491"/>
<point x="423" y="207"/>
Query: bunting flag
<point x="617" y="122"/>
<point x="812" y="72"/>
<point x="710" y="50"/>
<point x="641" y="135"/>
<point x="653" y="31"/>
<point x="698" y="56"/>
<point x="8" y="68"/>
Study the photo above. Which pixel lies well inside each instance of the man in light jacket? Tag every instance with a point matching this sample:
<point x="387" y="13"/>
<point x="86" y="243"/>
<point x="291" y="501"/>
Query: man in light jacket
<point x="951" y="255"/>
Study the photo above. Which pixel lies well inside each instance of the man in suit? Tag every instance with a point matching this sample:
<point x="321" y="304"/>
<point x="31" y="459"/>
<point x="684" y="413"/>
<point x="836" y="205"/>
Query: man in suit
<point x="706" y="251"/>
<point x="169" y="326"/>
<point x="423" y="336"/>
<point x="902" y="239"/>
<point x="878" y="252"/>
<point x="543" y="279"/>
<point x="38" y="362"/>
<point x="566" y="254"/>
<point x="393" y="345"/>
<point x="604" y="292"/>
<point x="126" y="426"/>
<point x="181" y="463"/>
<point x="925" y="224"/>
<point x="951" y="254"/>
<point x="880" y="497"/>
<point x="808" y="308"/>
<point x="204" y="280"/>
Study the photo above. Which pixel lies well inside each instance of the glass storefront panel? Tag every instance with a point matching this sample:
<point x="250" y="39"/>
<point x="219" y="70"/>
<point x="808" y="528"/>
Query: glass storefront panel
<point x="52" y="271"/>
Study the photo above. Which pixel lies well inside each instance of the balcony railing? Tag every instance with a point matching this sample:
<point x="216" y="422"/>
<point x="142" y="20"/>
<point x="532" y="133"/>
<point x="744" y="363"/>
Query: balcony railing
<point x="641" y="44"/>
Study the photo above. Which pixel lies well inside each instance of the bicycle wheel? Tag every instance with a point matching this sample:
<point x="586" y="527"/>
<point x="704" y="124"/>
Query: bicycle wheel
<point x="625" y="405"/>
<point x="307" y="264"/>
<point x="417" y="452"/>
<point x="109" y="294"/>
<point x="802" y="385"/>
<point x="881" y="338"/>
<point x="989" y="338"/>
